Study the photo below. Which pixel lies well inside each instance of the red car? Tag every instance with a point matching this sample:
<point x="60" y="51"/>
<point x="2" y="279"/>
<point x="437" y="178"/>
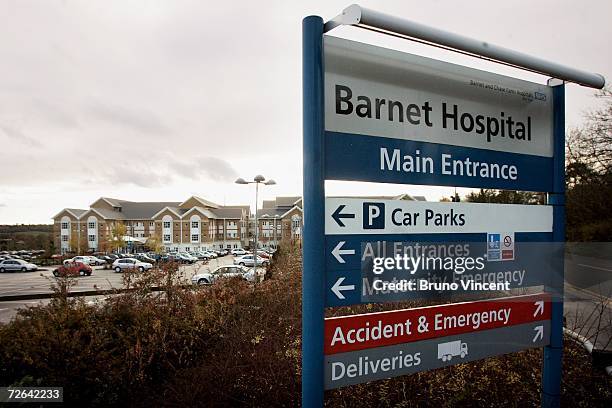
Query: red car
<point x="73" y="269"/>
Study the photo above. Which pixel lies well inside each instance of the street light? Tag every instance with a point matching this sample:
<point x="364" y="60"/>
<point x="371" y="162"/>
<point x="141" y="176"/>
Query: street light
<point x="257" y="180"/>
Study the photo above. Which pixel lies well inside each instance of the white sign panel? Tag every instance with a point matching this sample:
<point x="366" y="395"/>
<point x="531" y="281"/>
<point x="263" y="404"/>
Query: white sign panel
<point x="367" y="216"/>
<point x="380" y="92"/>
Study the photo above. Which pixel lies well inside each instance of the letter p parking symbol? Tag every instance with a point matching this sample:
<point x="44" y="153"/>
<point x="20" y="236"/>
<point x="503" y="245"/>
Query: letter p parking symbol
<point x="373" y="216"/>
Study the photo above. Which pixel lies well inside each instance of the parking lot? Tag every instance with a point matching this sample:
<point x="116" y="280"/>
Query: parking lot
<point x="24" y="283"/>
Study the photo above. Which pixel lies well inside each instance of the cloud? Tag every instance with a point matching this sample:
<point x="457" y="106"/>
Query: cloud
<point x="141" y="120"/>
<point x="17" y="135"/>
<point x="212" y="168"/>
<point x="160" y="172"/>
<point x="217" y="169"/>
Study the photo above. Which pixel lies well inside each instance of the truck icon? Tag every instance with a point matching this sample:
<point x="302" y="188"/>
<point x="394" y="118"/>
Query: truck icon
<point x="446" y="351"/>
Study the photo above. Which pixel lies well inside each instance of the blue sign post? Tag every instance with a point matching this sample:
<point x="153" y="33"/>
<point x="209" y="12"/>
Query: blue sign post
<point x="313" y="281"/>
<point x="553" y="353"/>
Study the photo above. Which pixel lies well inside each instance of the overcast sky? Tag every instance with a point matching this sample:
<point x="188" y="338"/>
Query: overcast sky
<point x="159" y="100"/>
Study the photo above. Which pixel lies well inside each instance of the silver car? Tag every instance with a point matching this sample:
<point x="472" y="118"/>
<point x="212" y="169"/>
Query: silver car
<point x="14" y="265"/>
<point x="131" y="264"/>
<point x="222" y="272"/>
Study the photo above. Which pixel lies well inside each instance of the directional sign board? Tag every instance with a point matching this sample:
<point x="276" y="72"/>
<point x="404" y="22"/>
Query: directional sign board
<point x="398" y="118"/>
<point x="378" y="115"/>
<point x="382" y="345"/>
<point x="360" y="230"/>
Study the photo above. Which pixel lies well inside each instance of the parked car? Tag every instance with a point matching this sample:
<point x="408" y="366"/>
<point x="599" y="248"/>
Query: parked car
<point x="145" y="258"/>
<point x="14" y="265"/>
<point x="121" y="265"/>
<point x="81" y="258"/>
<point x="223" y="252"/>
<point x="247" y="260"/>
<point x="210" y="254"/>
<point x="187" y="258"/>
<point x="201" y="256"/>
<point x="250" y="275"/>
<point x="96" y="261"/>
<point x="222" y="272"/>
<point x="107" y="258"/>
<point x="263" y="254"/>
<point x="73" y="269"/>
<point x="239" y="252"/>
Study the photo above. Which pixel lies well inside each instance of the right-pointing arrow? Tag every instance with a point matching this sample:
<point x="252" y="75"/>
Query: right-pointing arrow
<point x="338" y="288"/>
<point x="338" y="251"/>
<point x="539" y="308"/>
<point x="539" y="333"/>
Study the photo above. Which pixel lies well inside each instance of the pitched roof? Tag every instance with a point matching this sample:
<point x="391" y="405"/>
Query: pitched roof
<point x="143" y="210"/>
<point x="268" y="204"/>
<point x="113" y="201"/>
<point x="108" y="214"/>
<point x="225" y="212"/>
<point x="286" y="201"/>
<point x="203" y="201"/>
<point x="270" y="212"/>
<point x="77" y="211"/>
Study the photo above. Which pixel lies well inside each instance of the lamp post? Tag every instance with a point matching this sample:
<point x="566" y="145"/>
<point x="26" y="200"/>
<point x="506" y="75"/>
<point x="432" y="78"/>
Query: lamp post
<point x="259" y="179"/>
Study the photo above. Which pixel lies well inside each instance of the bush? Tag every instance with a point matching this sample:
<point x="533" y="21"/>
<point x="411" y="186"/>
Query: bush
<point x="233" y="344"/>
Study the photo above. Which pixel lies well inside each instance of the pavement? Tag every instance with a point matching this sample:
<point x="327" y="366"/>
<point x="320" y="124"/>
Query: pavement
<point x="587" y="306"/>
<point x="588" y="294"/>
<point x="39" y="282"/>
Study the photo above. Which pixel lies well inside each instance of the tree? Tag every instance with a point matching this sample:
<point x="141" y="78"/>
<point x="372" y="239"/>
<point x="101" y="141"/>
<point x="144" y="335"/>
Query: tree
<point x="75" y="243"/>
<point x="588" y="176"/>
<point x="591" y="145"/>
<point x="118" y="231"/>
<point x="505" y="197"/>
<point x="154" y="242"/>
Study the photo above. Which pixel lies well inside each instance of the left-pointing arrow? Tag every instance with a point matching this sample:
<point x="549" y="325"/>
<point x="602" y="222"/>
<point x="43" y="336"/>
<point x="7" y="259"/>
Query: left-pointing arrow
<point x="339" y="287"/>
<point x="337" y="252"/>
<point x="338" y="216"/>
<point x="539" y="333"/>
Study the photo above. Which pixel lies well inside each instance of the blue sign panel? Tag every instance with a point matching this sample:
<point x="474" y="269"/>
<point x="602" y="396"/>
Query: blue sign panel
<point x="387" y="160"/>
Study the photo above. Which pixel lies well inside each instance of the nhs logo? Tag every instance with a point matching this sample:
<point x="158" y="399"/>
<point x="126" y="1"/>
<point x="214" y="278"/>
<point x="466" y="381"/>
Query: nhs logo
<point x="373" y="215"/>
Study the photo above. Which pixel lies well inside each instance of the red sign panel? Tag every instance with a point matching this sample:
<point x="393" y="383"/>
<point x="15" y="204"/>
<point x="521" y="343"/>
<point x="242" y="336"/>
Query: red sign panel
<point x="350" y="333"/>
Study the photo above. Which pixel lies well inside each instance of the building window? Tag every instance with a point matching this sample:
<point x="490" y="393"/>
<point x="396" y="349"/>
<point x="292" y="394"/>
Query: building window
<point x="187" y="249"/>
<point x="91" y="225"/>
<point x="195" y="238"/>
<point x="64" y="238"/>
<point x="235" y="246"/>
<point x="195" y="224"/>
<point x="167" y="224"/>
<point x="92" y="238"/>
<point x="151" y="223"/>
<point x="65" y="225"/>
<point x="167" y="238"/>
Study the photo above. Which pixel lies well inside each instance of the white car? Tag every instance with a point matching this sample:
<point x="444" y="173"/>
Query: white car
<point x="87" y="260"/>
<point x="222" y="272"/>
<point x="210" y="254"/>
<point x="13" y="265"/>
<point x="131" y="264"/>
<point x="247" y="260"/>
<point x="239" y="252"/>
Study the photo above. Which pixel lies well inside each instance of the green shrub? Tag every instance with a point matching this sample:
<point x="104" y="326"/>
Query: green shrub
<point x="233" y="344"/>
